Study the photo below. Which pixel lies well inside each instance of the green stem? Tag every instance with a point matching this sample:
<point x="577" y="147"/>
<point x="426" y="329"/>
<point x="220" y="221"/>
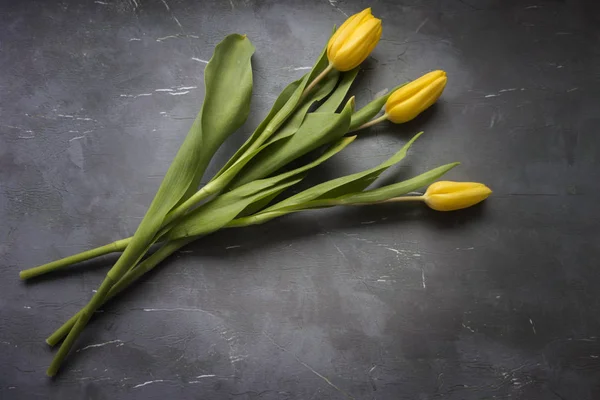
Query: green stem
<point x="113" y="247"/>
<point x="317" y="79"/>
<point x="82" y="320"/>
<point x="169" y="248"/>
<point x="118" y="245"/>
<point x="129" y="278"/>
<point x="372" y="122"/>
<point x="136" y="249"/>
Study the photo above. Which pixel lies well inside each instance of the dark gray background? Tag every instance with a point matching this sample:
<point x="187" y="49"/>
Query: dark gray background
<point x="391" y="302"/>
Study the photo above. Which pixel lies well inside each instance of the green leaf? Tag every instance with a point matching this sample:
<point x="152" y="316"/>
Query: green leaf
<point x="343" y="185"/>
<point x="283" y="98"/>
<point x="367" y="113"/>
<point x="368" y="197"/>
<point x="335" y="100"/>
<point x="221" y="210"/>
<point x="390" y="191"/>
<point x="283" y="108"/>
<point x="322" y="90"/>
<point x="228" y="81"/>
<point x="316" y="130"/>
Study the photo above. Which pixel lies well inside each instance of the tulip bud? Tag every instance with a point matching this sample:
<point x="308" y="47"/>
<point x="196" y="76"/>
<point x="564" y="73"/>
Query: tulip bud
<point x="412" y="99"/>
<point x="352" y="43"/>
<point x="450" y="196"/>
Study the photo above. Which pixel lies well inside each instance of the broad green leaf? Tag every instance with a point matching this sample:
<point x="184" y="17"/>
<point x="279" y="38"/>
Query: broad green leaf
<point x="219" y="211"/>
<point x="228" y="81"/>
<point x="343" y="185"/>
<point x="369" y="111"/>
<point x="316" y="130"/>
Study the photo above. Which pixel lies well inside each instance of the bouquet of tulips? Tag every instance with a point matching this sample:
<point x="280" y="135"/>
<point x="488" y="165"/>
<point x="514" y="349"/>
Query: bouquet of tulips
<point x="310" y="115"/>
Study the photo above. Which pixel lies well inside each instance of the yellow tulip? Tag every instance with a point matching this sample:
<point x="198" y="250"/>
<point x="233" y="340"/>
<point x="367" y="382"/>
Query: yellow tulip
<point x="450" y="196"/>
<point x="412" y="99"/>
<point x="352" y="43"/>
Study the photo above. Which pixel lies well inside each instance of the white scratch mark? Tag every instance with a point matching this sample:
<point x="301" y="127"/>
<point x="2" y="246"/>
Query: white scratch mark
<point x="532" y="326"/>
<point x="160" y="39"/>
<point x="73" y="132"/>
<point x="591" y="356"/>
<point x="507" y="90"/>
<point x="101" y="344"/>
<point x="135" y="96"/>
<point x="162" y="112"/>
<point x="65" y="116"/>
<point x="422" y="24"/>
<point x="199" y="60"/>
<point x="148" y="383"/>
<point x="233" y="247"/>
<point x="83" y="119"/>
<point x="416" y="255"/>
<point x="166" y="5"/>
<point x="27" y="307"/>
<point x="231" y="4"/>
<point x="305" y="365"/>
<point x="423" y="279"/>
<point x="135" y="3"/>
<point x="492" y="121"/>
<point x="491" y="95"/>
<point x="163" y="90"/>
<point x="301" y="68"/>
<point x="178" y="93"/>
<point x="175" y="309"/>
<point x="101" y="2"/>
<point x="559" y="66"/>
<point x="205" y="376"/>
<point x="94" y="291"/>
<point x="381" y="280"/>
<point x="465" y="248"/>
<point x="530" y="7"/>
<point x="468" y="327"/>
<point x="572" y="89"/>
<point x="368" y="222"/>
<point x="76" y="137"/>
<point x="187" y="87"/>
<point x="394" y="250"/>
<point x="135" y="40"/>
<point x="177" y="21"/>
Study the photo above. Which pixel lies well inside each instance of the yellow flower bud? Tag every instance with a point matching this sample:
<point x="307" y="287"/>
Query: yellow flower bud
<point x="412" y="99"/>
<point x="450" y="196"/>
<point x="352" y="43"/>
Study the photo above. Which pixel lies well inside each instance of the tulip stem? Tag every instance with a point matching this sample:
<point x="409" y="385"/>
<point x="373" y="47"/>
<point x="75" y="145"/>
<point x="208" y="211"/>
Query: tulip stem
<point x="315" y="81"/>
<point x="372" y="122"/>
<point x="403" y="198"/>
